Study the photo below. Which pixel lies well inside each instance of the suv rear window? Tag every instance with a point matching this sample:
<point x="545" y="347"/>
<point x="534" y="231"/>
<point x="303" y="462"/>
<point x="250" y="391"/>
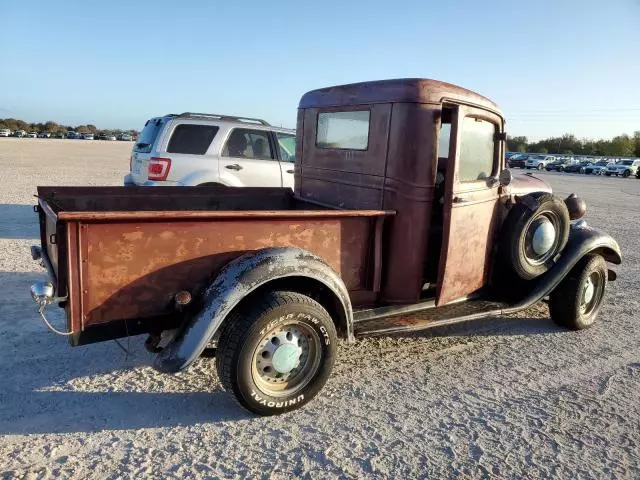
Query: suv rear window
<point x="148" y="135"/>
<point x="191" y="139"/>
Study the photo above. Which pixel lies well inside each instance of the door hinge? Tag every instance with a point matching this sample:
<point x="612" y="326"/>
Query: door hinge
<point x="53" y="239"/>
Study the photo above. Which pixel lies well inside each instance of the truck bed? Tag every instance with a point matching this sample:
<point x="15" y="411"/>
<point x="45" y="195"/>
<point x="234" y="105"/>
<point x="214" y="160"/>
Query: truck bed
<point x="121" y="254"/>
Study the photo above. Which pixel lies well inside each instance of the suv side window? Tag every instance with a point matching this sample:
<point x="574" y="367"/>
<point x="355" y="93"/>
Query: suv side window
<point x="247" y="143"/>
<point x="191" y="139"/>
<point x="477" y="149"/>
<point x="287" y="147"/>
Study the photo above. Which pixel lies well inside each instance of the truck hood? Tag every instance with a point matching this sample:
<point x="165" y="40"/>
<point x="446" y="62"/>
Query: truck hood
<point x="521" y="184"/>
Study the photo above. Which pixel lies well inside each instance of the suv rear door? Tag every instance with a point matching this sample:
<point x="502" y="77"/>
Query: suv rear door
<point x="248" y="159"/>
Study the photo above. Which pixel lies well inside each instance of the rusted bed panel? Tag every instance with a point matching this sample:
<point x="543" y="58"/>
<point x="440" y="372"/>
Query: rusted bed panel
<point x="133" y="269"/>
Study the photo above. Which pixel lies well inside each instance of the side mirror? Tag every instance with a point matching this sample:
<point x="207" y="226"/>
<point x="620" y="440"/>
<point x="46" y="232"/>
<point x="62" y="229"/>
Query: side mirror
<point x="505" y="177"/>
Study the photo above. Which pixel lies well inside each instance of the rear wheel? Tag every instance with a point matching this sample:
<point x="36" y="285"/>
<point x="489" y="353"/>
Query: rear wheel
<point x="626" y="173"/>
<point x="582" y="170"/>
<point x="540" y="166"/>
<point x="277" y="354"/>
<point x="576" y="301"/>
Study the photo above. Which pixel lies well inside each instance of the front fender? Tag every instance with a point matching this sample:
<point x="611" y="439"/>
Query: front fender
<point x="235" y="281"/>
<point x="583" y="240"/>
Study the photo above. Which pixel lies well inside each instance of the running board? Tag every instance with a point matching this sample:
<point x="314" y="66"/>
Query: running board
<point x="421" y="316"/>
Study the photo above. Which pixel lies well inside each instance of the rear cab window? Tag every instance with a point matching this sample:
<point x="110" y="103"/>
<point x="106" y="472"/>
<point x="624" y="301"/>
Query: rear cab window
<point x="343" y="130"/>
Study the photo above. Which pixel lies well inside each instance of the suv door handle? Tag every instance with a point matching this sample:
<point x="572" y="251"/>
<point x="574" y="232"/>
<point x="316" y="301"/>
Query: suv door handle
<point x="459" y="200"/>
<point x="235" y="166"/>
<point x="289" y="171"/>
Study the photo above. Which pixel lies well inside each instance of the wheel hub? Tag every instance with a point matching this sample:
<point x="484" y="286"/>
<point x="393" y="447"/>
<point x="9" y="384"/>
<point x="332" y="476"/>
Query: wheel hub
<point x="589" y="290"/>
<point x="280" y="354"/>
<point x="543" y="237"/>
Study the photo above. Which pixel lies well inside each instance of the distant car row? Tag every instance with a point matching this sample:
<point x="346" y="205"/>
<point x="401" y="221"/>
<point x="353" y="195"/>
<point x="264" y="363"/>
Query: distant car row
<point x="126" y="137"/>
<point x="624" y="167"/>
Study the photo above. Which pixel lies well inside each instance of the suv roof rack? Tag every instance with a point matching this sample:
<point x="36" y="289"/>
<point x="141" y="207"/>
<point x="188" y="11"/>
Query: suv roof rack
<point x="218" y="116"/>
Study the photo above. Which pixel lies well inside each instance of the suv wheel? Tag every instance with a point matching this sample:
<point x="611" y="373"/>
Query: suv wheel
<point x="626" y="173"/>
<point x="540" y="166"/>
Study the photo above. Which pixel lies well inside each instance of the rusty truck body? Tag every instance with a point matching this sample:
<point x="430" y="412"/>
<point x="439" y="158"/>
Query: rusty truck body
<point x="402" y="204"/>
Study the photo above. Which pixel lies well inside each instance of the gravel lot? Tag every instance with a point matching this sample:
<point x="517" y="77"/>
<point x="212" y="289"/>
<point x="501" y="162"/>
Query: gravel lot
<point x="506" y="397"/>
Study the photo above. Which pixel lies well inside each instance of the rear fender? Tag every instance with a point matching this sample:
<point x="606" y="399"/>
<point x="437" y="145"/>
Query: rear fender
<point x="235" y="281"/>
<point x="583" y="240"/>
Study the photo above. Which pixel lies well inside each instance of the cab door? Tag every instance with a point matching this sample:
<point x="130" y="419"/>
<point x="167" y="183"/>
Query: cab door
<point x="471" y="202"/>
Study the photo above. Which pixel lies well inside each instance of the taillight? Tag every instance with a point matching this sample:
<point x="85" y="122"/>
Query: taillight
<point x="158" y="168"/>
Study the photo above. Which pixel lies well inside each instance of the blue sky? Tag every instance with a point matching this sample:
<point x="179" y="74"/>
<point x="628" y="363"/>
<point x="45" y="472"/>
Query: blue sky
<point x="553" y="66"/>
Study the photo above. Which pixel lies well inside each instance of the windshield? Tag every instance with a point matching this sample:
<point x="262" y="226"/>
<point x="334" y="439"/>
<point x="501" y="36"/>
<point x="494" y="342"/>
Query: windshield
<point x="602" y="163"/>
<point x="148" y="135"/>
<point x="537" y="157"/>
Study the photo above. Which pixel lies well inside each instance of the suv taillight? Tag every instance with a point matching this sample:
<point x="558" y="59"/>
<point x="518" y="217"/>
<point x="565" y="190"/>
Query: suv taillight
<point x="158" y="168"/>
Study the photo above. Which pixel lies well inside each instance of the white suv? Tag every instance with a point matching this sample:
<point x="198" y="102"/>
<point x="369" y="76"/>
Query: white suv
<point x="208" y="149"/>
<point x="539" y="161"/>
<point x="5" y="132"/>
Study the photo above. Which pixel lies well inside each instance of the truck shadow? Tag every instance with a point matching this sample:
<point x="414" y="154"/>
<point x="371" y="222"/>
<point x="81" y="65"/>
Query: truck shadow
<point x="18" y="222"/>
<point x="47" y="388"/>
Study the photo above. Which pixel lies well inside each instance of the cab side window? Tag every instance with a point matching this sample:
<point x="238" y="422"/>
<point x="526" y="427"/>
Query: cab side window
<point x="247" y="143"/>
<point x="477" y="147"/>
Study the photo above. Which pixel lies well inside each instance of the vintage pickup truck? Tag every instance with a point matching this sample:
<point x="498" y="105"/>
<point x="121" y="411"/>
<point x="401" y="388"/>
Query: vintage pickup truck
<point x="403" y="217"/>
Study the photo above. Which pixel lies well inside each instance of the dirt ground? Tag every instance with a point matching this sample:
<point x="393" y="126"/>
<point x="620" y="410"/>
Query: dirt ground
<point x="504" y="397"/>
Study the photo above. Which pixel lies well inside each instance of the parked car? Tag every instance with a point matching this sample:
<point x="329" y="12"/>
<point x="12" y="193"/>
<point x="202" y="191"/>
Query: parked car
<point x="125" y="137"/>
<point x="5" y="132"/>
<point x="19" y="133"/>
<point x="211" y="149"/>
<point x="577" y="167"/>
<point x="518" y="160"/>
<point x="560" y="164"/>
<point x="275" y="277"/>
<point x="596" y="168"/>
<point x="539" y="162"/>
<point x="88" y="136"/>
<point x="44" y="135"/>
<point x="624" y="168"/>
<point x="32" y="135"/>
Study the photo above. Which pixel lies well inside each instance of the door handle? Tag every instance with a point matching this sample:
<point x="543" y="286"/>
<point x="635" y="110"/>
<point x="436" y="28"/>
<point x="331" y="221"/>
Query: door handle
<point x="235" y="166"/>
<point x="459" y="200"/>
<point x="289" y="171"/>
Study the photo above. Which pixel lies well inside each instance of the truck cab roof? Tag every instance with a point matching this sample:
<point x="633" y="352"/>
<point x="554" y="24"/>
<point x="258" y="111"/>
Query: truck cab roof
<point x="402" y="90"/>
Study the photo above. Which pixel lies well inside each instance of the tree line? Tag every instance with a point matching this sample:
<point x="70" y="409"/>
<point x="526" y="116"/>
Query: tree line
<point x="620" y="146"/>
<point x="54" y="128"/>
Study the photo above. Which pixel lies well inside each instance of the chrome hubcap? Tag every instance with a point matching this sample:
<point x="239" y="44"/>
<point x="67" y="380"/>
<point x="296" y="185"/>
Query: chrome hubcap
<point x="589" y="290"/>
<point x="543" y="237"/>
<point x="286" y="359"/>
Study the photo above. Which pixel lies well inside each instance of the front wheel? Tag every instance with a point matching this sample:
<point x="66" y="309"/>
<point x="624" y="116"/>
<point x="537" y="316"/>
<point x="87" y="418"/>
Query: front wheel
<point x="582" y="170"/>
<point x="626" y="173"/>
<point x="576" y="301"/>
<point x="276" y="354"/>
<point x="540" y="167"/>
